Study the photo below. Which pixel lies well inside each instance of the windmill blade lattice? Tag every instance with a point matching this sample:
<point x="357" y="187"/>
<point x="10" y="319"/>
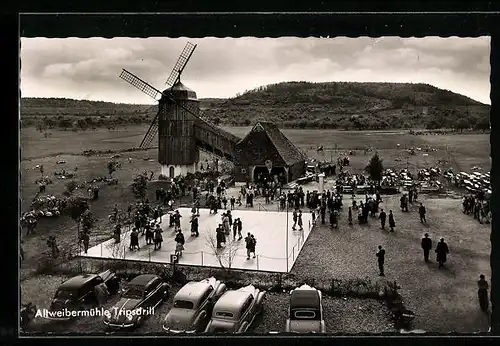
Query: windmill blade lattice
<point x="151" y="134"/>
<point x="180" y="64"/>
<point x="140" y="84"/>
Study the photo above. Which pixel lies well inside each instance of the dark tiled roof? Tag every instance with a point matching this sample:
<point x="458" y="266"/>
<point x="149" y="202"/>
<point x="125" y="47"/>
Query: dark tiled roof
<point x="287" y="150"/>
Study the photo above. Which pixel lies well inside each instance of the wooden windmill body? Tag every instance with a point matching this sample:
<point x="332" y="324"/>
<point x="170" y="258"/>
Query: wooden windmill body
<point x="174" y="124"/>
<point x="177" y="150"/>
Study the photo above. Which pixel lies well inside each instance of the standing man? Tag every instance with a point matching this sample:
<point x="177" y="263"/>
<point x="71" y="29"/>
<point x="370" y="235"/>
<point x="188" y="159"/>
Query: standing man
<point x="421" y="212"/>
<point x="381" y="259"/>
<point x="295" y="217"/>
<point x="426" y="246"/>
<point x="482" y="293"/>
<point x="392" y="223"/>
<point x="382" y="216"/>
<point x="441" y="251"/>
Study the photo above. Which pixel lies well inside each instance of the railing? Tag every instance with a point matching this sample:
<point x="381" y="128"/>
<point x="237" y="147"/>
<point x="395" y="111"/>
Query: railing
<point x="118" y="251"/>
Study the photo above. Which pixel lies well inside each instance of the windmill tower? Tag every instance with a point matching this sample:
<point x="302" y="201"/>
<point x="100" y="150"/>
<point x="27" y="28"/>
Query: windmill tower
<point x="174" y="124"/>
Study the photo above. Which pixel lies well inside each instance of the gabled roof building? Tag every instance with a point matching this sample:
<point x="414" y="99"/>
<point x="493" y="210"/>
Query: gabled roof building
<point x="263" y="147"/>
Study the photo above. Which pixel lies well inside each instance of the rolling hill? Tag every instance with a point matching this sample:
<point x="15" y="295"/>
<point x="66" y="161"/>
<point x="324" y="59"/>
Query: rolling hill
<point x="342" y="105"/>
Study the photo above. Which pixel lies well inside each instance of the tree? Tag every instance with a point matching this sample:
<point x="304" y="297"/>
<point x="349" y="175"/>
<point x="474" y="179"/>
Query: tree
<point x="225" y="255"/>
<point x="76" y="207"/>
<point x="71" y="186"/>
<point x="462" y="124"/>
<point x="52" y="245"/>
<point x="140" y="186"/>
<point x="375" y="168"/>
<point x="87" y="220"/>
<point x="482" y="123"/>
<point x="117" y="250"/>
<point x="113" y="166"/>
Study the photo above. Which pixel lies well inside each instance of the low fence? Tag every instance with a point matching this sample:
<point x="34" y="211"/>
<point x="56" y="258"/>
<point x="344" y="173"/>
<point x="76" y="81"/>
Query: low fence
<point x="110" y="250"/>
<point x="279" y="282"/>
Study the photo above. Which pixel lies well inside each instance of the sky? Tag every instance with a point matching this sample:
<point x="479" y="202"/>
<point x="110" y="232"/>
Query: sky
<point x="88" y="68"/>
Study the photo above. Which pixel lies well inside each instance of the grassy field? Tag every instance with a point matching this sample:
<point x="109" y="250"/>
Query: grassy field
<point x="433" y="302"/>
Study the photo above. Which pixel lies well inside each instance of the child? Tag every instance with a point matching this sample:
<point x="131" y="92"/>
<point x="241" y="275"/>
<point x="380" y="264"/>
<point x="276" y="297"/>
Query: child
<point x="313" y="215"/>
<point x="349" y="216"/>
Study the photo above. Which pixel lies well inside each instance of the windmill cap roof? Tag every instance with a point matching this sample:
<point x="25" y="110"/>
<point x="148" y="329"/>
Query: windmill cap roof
<point x="182" y="92"/>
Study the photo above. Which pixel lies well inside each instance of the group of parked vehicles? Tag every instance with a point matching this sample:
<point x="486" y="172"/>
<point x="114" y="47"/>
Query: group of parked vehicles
<point x="205" y="306"/>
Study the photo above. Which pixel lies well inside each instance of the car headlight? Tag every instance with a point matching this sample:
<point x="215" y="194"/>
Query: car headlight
<point x="130" y="317"/>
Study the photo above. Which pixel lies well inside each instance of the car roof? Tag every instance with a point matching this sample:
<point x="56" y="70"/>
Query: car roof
<point x="302" y="298"/>
<point x="77" y="281"/>
<point x="142" y="280"/>
<point x="192" y="291"/>
<point x="231" y="301"/>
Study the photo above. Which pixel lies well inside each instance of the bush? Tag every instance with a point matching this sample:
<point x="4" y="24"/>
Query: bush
<point x="71" y="186"/>
<point x="140" y="185"/>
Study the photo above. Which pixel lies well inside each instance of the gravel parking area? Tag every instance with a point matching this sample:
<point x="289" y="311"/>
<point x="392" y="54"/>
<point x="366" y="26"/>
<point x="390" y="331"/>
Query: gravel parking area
<point x="444" y="300"/>
<point x="342" y="315"/>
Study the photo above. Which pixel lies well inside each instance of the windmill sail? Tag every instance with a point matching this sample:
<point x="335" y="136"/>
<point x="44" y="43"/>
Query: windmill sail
<point x="151" y="134"/>
<point x="180" y="64"/>
<point x="140" y="84"/>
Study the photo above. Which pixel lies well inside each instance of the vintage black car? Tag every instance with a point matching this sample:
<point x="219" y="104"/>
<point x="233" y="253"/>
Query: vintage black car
<point x="138" y="301"/>
<point x="78" y="293"/>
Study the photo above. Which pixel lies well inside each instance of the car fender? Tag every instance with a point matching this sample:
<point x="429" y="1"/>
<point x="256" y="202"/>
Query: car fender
<point x="243" y="328"/>
<point x="107" y="275"/>
<point x="208" y="326"/>
<point x="201" y="316"/>
<point x="220" y="290"/>
<point x="260" y="298"/>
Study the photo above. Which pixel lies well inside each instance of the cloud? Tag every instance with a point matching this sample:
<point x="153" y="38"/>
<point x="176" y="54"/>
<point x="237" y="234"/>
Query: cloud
<point x="222" y="67"/>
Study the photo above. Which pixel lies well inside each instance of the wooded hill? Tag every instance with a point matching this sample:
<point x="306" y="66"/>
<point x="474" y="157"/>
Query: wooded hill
<point x="342" y="105"/>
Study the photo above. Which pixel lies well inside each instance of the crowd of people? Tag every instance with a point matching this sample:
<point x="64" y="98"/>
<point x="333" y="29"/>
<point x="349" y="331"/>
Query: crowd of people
<point x="478" y="207"/>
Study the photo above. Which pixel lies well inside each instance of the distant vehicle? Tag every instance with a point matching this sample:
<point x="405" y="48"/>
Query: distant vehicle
<point x="193" y="305"/>
<point x="143" y="293"/>
<point x="305" y="313"/>
<point x="78" y="293"/>
<point x="236" y="310"/>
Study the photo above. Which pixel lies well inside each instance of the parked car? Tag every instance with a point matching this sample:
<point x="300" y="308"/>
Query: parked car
<point x="193" y="305"/>
<point x="236" y="310"/>
<point x="78" y="293"/>
<point x="305" y="314"/>
<point x="143" y="293"/>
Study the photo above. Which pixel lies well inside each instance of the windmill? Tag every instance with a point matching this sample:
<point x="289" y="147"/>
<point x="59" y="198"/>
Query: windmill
<point x="178" y="107"/>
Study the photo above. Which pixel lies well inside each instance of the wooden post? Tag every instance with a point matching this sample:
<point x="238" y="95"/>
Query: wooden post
<point x="202" y="258"/>
<point x="257" y="262"/>
<point x="286" y="235"/>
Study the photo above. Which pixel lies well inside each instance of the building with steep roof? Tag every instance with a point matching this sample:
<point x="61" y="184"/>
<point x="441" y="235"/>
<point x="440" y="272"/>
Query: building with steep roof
<point x="264" y="147"/>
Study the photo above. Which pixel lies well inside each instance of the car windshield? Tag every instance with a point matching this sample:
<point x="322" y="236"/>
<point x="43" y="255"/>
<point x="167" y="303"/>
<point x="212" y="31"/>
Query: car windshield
<point x="65" y="294"/>
<point x="303" y="314"/>
<point x="183" y="304"/>
<point x="133" y="292"/>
